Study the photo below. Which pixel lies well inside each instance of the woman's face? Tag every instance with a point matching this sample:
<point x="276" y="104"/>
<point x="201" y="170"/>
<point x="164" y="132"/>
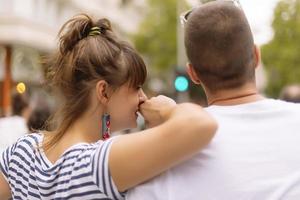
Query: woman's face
<point x="123" y="106"/>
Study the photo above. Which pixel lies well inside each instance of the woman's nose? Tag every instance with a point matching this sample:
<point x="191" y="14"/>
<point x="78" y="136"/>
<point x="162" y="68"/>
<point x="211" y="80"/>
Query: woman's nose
<point x="142" y="96"/>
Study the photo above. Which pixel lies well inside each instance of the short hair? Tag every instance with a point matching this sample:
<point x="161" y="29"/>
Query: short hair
<point x="19" y="103"/>
<point x="219" y="44"/>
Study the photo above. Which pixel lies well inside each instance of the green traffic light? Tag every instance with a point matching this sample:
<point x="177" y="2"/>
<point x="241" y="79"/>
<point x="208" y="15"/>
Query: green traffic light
<point x="181" y="83"/>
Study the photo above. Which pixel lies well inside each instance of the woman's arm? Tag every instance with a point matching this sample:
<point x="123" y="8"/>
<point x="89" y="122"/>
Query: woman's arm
<point x="137" y="157"/>
<point x="4" y="188"/>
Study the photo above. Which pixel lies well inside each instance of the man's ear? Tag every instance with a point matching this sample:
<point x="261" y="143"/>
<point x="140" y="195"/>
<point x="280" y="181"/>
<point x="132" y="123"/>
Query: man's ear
<point x="102" y="92"/>
<point x="257" y="56"/>
<point x="192" y="74"/>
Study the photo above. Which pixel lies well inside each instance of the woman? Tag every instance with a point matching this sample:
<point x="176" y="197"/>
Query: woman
<point x="99" y="80"/>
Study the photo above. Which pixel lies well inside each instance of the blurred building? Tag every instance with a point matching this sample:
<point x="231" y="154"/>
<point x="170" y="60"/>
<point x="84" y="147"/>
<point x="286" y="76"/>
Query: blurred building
<point x="28" y="30"/>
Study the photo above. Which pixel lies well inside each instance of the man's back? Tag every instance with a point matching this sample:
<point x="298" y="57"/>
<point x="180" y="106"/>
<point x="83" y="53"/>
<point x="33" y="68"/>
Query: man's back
<point x="254" y="155"/>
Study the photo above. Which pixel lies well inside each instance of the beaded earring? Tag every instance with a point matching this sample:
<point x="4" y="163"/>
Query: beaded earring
<point x="105" y="126"/>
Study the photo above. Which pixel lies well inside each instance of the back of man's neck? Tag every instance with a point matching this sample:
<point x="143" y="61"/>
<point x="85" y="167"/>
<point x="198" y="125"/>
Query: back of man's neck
<point x="245" y="94"/>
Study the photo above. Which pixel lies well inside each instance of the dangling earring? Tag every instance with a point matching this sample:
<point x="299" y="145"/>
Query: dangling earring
<point x="105" y="126"/>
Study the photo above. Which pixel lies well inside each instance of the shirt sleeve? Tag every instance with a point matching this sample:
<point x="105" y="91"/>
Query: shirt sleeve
<point x="101" y="173"/>
<point x="4" y="161"/>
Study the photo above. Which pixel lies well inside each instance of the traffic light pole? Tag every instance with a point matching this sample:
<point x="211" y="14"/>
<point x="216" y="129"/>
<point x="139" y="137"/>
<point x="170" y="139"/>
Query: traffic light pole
<point x="7" y="82"/>
<point x="182" y="96"/>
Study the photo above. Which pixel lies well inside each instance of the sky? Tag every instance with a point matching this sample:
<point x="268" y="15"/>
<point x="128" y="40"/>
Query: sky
<point x="260" y="16"/>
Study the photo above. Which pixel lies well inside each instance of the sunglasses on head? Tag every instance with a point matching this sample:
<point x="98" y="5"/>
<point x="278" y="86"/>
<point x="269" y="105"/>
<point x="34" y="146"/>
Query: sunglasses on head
<point x="184" y="16"/>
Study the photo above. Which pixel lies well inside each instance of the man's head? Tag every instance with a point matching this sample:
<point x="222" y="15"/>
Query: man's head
<point x="220" y="47"/>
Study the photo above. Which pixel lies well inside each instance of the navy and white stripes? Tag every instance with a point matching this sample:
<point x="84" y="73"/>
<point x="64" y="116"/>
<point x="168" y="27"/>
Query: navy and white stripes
<point x="81" y="172"/>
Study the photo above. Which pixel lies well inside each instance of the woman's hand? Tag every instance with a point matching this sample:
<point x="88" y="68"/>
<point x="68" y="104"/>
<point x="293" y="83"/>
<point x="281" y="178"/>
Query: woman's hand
<point x="156" y="110"/>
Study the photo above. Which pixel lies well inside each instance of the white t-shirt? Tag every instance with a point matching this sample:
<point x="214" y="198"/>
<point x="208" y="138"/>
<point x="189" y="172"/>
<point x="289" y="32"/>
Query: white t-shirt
<point x="255" y="155"/>
<point x="11" y="129"/>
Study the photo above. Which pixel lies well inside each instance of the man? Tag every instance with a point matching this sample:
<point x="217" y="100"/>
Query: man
<point x="291" y="93"/>
<point x="255" y="153"/>
<point x="14" y="127"/>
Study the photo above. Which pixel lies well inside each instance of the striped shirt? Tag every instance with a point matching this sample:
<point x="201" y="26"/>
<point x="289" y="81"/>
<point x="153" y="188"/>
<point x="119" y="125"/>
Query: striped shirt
<point x="80" y="173"/>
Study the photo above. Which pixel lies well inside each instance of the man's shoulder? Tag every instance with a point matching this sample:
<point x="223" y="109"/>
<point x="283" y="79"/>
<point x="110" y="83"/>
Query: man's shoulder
<point x="286" y="106"/>
<point x="290" y="104"/>
<point x="266" y="104"/>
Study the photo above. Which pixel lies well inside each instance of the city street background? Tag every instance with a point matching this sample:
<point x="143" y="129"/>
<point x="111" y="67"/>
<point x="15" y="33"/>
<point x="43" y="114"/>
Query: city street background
<point x="28" y="30"/>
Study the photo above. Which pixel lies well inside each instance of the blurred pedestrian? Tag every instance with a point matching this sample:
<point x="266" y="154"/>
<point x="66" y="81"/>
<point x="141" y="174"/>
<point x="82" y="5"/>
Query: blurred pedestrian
<point x="38" y="119"/>
<point x="291" y="93"/>
<point x="15" y="126"/>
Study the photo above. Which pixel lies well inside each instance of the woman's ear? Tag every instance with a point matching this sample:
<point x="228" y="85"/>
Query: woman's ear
<point x="192" y="74"/>
<point x="102" y="92"/>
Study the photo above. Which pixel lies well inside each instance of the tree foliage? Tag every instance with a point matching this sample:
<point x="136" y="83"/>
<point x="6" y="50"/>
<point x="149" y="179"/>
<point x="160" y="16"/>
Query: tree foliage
<point x="281" y="55"/>
<point x="156" y="38"/>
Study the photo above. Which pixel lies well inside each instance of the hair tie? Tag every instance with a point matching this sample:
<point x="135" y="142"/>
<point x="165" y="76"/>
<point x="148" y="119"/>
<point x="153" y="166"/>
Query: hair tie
<point x="95" y="31"/>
